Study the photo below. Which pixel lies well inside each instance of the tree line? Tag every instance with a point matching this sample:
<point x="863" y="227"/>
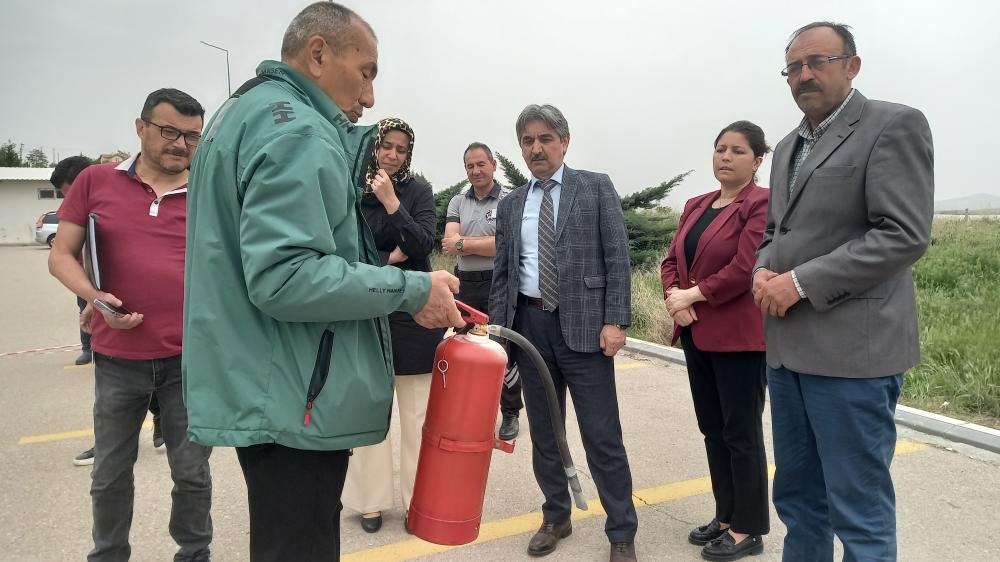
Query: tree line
<point x="10" y="157"/>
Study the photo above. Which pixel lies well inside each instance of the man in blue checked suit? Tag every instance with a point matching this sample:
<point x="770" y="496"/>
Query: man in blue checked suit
<point x="561" y="279"/>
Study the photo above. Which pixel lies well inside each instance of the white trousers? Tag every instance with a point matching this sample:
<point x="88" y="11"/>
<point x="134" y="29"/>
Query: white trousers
<point x="369" y="485"/>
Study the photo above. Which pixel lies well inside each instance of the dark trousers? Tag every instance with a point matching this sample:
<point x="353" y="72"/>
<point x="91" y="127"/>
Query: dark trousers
<point x="154" y="406"/>
<point x="294" y="498"/>
<point x="123" y="388"/>
<point x="590" y="378"/>
<point x="833" y="443"/>
<point x="477" y="295"/>
<point x="728" y="392"/>
<point x="84" y="336"/>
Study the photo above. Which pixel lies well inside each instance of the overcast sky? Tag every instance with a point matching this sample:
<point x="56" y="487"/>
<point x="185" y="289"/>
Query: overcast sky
<point x="646" y="86"/>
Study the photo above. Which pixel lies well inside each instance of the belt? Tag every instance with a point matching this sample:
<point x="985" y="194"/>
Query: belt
<point x="485" y="275"/>
<point x="532" y="301"/>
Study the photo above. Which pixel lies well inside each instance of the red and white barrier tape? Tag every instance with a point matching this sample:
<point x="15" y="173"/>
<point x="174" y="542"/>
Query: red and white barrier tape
<point x="40" y="350"/>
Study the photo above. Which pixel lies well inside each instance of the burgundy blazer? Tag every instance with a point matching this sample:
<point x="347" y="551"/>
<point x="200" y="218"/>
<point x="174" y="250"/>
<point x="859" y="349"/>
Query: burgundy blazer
<point x="722" y="268"/>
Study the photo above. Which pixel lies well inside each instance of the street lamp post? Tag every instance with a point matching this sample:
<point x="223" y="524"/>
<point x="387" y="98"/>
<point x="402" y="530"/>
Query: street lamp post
<point x="229" y="83"/>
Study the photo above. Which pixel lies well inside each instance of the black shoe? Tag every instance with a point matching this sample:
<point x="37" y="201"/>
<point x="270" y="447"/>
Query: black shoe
<point x="157" y="435"/>
<point x="548" y="536"/>
<point x="706" y="533"/>
<point x="726" y="548"/>
<point x="622" y="552"/>
<point x="509" y="427"/>
<point x="371" y="524"/>
<point x="85" y="358"/>
<point x="85" y="458"/>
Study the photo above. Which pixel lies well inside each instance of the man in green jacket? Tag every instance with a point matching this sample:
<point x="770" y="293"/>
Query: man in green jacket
<point x="287" y="352"/>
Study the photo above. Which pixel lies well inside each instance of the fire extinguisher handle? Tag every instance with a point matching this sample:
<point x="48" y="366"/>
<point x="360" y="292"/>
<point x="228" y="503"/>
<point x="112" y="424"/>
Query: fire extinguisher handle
<point x="471" y="315"/>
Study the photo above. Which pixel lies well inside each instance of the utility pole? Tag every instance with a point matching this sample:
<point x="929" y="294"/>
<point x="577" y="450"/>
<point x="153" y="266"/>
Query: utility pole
<point x="229" y="84"/>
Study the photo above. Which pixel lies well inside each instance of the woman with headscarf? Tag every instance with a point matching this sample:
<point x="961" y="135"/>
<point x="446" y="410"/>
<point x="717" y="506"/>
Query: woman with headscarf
<point x="400" y="211"/>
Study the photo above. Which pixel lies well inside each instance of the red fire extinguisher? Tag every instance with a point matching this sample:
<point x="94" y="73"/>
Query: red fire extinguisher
<point x="458" y="435"/>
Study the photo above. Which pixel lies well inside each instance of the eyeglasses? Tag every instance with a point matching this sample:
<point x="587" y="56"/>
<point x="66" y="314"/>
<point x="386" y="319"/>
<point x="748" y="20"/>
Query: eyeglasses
<point x="814" y="62"/>
<point x="172" y="134"/>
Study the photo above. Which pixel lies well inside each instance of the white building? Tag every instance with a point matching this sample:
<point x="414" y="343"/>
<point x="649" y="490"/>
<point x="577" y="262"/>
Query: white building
<point x="25" y="194"/>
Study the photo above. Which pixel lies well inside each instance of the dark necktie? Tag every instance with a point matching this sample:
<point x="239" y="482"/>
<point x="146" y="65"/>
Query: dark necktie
<point x="548" y="273"/>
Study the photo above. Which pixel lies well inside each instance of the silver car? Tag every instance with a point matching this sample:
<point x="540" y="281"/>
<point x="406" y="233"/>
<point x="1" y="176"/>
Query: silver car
<point x="45" y="228"/>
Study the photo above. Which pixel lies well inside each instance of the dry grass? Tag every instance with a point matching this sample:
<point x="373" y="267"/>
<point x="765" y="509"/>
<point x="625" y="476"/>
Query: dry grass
<point x="650" y="321"/>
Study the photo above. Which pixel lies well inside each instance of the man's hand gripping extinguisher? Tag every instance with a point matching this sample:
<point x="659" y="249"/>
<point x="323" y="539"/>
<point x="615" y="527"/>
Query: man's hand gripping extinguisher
<point x="458" y="434"/>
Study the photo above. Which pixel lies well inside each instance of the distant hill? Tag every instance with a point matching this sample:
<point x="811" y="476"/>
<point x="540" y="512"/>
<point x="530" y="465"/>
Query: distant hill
<point x="971" y="202"/>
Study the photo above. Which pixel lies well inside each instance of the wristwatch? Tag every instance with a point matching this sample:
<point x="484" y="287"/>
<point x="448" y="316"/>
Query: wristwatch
<point x="460" y="244"/>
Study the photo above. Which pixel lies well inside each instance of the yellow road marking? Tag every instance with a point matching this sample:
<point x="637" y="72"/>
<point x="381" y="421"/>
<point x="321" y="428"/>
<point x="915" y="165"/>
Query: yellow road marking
<point x="528" y="522"/>
<point x="905" y="446"/>
<point x="631" y="365"/>
<point x="49" y="437"/>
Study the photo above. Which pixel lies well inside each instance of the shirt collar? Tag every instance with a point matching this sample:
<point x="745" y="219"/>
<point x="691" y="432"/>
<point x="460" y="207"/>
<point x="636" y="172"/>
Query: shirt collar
<point x="556" y="177"/>
<point x="128" y="166"/>
<point x="807" y="132"/>
<point x="494" y="192"/>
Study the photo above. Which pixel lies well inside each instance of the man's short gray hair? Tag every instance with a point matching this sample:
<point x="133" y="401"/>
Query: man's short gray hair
<point x="546" y="113"/>
<point x="843" y="30"/>
<point x="328" y="19"/>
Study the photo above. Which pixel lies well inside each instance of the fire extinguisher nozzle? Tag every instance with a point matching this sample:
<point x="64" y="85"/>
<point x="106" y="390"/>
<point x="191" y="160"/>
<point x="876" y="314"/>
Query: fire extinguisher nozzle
<point x="576" y="488"/>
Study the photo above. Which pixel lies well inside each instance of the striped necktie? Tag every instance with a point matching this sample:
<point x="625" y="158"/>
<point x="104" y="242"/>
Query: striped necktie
<point x="548" y="273"/>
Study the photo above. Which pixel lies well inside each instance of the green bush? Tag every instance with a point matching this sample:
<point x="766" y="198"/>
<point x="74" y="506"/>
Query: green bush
<point x="441" y="200"/>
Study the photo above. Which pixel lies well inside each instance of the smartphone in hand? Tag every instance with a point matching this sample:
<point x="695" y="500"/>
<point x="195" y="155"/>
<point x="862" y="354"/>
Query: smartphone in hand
<point x="117" y="311"/>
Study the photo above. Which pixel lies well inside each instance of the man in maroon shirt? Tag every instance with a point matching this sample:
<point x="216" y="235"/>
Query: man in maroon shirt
<point x="139" y="207"/>
<point x="63" y="176"/>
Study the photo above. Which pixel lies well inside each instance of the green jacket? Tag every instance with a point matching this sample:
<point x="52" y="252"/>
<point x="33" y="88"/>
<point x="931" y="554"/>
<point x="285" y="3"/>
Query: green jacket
<point x="285" y="303"/>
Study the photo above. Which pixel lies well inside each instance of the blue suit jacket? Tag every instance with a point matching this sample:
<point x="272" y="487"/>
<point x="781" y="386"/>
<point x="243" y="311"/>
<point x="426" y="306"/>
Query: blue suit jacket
<point x="595" y="282"/>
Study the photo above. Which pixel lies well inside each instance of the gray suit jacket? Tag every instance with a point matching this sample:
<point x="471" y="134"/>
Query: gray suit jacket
<point x="595" y="282"/>
<point x="858" y="218"/>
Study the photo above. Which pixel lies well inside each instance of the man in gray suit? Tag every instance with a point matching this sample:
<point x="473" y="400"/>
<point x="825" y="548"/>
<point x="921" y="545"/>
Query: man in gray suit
<point x="852" y="192"/>
<point x="561" y="279"/>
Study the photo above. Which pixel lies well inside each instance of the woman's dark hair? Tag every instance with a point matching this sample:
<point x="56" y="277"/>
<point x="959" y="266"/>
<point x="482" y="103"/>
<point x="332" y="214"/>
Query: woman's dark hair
<point x="751" y="132"/>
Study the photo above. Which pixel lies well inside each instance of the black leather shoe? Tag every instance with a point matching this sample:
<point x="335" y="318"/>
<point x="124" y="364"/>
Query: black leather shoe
<point x="85" y="358"/>
<point x="726" y="548"/>
<point x="548" y="536"/>
<point x="371" y="524"/>
<point x="706" y="533"/>
<point x="622" y="552"/>
<point x="509" y="427"/>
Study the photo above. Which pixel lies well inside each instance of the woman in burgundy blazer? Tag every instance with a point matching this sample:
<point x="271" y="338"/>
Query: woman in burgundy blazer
<point x="706" y="285"/>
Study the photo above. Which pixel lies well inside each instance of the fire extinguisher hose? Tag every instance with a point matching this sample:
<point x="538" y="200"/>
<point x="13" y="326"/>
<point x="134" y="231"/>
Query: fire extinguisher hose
<point x="558" y="427"/>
